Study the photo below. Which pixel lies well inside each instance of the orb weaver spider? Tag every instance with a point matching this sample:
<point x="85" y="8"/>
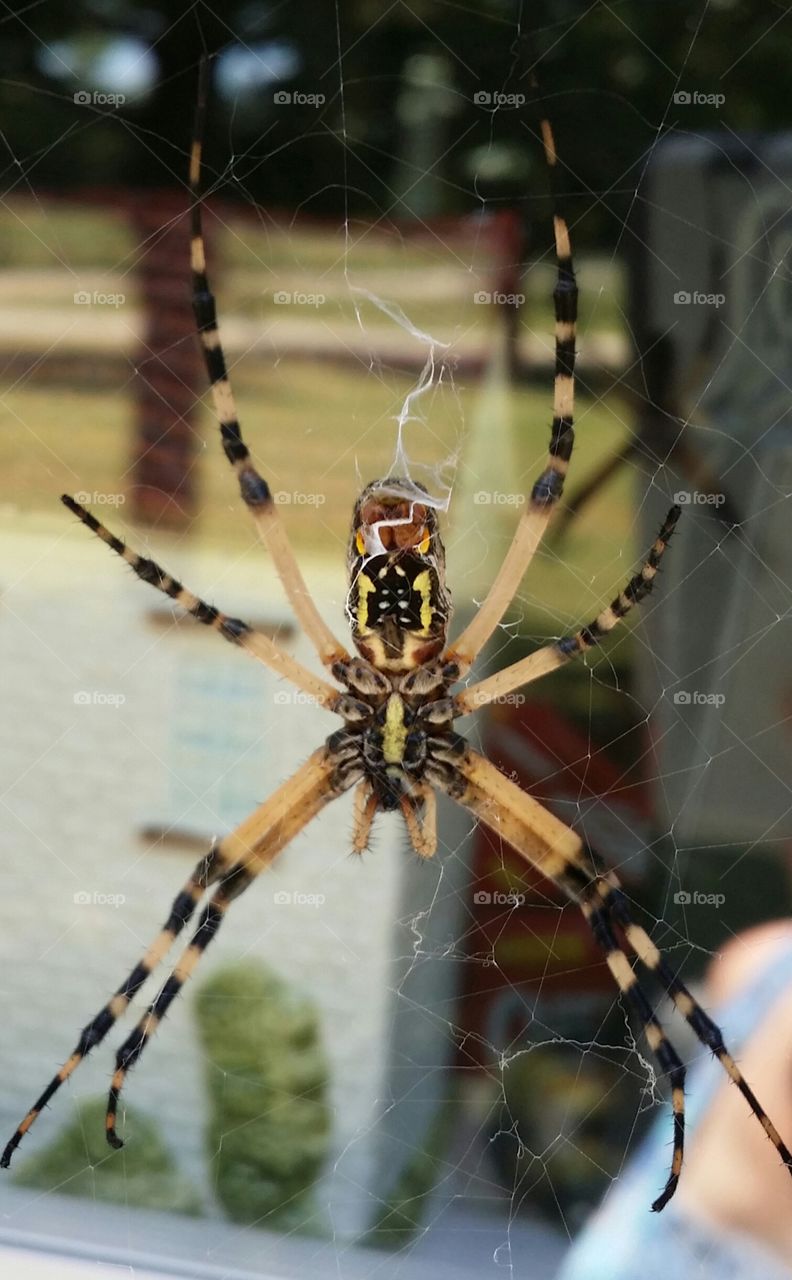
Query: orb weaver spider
<point x="397" y="745"/>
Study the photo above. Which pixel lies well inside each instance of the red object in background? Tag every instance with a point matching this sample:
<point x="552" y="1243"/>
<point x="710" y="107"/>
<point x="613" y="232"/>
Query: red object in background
<point x="169" y="377"/>
<point x="527" y="941"/>
<point x="169" y="368"/>
<point x="509" y="234"/>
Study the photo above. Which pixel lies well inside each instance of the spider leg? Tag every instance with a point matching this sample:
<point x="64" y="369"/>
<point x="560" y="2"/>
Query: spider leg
<point x="597" y="914"/>
<point x="233" y="883"/>
<point x="254" y="489"/>
<point x="549" y="487"/>
<point x="366" y="805"/>
<point x="244" y="854"/>
<point x="232" y="629"/>
<point x="183" y="908"/>
<point x="422" y="832"/>
<point x="702" y="1025"/>
<point x="237" y="858"/>
<point x="558" y="853"/>
<point x="552" y="656"/>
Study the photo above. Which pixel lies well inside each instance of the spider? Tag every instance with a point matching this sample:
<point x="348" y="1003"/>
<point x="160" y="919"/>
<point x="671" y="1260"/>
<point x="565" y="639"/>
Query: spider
<point x="397" y="745"/>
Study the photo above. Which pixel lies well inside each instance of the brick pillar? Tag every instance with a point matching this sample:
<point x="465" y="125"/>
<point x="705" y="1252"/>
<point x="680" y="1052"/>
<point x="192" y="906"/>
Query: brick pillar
<point x="169" y="371"/>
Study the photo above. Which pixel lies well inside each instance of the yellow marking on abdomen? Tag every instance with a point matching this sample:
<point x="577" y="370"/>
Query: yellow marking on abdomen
<point x="365" y="586"/>
<point x="423" y="585"/>
<point x="394" y="734"/>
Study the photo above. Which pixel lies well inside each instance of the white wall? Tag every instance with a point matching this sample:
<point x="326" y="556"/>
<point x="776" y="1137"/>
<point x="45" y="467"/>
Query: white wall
<point x="201" y="736"/>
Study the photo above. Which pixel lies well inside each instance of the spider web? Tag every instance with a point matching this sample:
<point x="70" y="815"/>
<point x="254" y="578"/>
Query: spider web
<point x="483" y="1086"/>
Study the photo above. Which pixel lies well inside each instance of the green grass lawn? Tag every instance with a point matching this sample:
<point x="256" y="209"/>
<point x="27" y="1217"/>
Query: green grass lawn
<point x="434" y="278"/>
<point x="324" y="429"/>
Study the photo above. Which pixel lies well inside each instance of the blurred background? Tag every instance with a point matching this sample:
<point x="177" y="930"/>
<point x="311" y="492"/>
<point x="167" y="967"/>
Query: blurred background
<point x="381" y="1067"/>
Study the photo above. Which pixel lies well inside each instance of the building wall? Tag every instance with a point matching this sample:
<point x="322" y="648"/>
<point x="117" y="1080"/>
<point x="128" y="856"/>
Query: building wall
<point x="116" y="720"/>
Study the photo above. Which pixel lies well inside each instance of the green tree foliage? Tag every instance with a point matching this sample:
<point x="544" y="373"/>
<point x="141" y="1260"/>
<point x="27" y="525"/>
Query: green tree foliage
<point x="611" y="73"/>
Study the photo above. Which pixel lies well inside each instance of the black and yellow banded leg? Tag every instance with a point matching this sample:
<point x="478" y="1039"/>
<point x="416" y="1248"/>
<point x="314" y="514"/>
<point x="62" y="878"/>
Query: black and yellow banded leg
<point x="637" y="589"/>
<point x="234" y="630"/>
<point x="243" y="854"/>
<point x="549" y="487"/>
<point x="552" y="656"/>
<point x="253" y="487"/>
<point x="597" y="915"/>
<point x="233" y="883"/>
<point x="182" y="910"/>
<point x="707" y="1031"/>
<point x="559" y="854"/>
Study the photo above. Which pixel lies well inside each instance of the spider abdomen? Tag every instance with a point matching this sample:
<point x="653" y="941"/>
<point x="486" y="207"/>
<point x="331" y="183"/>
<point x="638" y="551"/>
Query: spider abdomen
<point x="398" y="604"/>
<point x="398" y="611"/>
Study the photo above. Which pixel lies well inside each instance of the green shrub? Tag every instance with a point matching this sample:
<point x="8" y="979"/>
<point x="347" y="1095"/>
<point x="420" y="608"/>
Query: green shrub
<point x="266" y="1083"/>
<point x="80" y="1163"/>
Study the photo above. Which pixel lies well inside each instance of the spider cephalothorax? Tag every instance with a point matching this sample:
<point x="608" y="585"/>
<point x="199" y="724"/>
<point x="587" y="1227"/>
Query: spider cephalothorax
<point x="398" y="604"/>
<point x="397" y="738"/>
